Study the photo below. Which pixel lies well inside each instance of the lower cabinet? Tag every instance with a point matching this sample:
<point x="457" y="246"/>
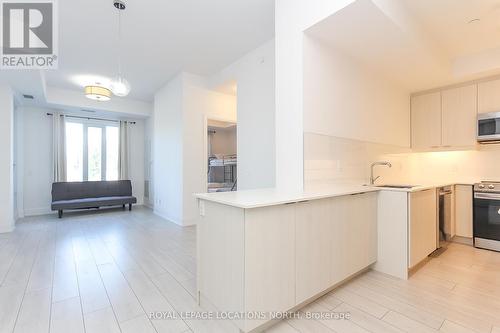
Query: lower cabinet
<point x="463" y="211"/>
<point x="271" y="259"/>
<point x="423" y="225"/>
<point x="335" y="238"/>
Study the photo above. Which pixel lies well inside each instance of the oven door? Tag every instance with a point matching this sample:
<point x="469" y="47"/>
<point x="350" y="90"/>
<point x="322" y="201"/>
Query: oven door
<point x="488" y="127"/>
<point x="487" y="216"/>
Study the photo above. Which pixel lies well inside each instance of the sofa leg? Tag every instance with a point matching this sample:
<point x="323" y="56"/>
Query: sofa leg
<point x="123" y="206"/>
<point x="129" y="207"/>
<point x="60" y="213"/>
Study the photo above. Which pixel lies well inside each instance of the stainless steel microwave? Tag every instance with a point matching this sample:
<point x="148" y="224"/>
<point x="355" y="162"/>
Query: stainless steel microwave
<point x="488" y="127"/>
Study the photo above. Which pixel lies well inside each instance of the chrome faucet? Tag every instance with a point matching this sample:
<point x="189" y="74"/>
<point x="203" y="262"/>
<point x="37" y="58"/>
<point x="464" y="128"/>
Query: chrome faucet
<point x="373" y="180"/>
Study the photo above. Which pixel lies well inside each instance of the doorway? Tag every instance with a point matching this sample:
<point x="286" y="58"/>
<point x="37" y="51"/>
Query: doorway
<point x="222" y="157"/>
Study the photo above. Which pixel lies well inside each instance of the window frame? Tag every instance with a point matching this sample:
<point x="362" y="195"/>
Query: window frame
<point x="102" y="124"/>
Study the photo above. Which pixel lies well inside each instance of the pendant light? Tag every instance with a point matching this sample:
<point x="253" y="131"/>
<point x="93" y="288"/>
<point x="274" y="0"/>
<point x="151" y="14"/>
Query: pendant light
<point x="119" y="86"/>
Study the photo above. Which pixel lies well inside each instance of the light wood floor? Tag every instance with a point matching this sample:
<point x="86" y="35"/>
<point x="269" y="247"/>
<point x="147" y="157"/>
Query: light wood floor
<point x="105" y="271"/>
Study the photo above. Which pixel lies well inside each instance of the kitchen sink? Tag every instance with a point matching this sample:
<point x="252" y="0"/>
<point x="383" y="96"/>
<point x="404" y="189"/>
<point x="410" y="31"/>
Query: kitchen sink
<point x="396" y="186"/>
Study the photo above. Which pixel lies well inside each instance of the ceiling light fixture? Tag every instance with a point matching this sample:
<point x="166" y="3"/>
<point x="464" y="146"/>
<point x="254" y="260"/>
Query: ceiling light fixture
<point x="119" y="86"/>
<point x="98" y="93"/>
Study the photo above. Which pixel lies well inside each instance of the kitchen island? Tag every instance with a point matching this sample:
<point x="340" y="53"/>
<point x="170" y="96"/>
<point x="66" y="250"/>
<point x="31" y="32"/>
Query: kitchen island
<point x="265" y="252"/>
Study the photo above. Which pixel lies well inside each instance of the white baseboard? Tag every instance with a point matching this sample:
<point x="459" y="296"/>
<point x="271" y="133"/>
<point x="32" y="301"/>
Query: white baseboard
<point x="168" y="218"/>
<point x="38" y="211"/>
<point x="4" y="230"/>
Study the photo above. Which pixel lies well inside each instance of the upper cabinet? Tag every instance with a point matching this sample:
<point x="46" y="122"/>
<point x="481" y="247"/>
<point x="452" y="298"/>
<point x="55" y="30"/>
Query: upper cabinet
<point x="459" y="116"/>
<point x="426" y="121"/>
<point x="444" y="119"/>
<point x="488" y="96"/>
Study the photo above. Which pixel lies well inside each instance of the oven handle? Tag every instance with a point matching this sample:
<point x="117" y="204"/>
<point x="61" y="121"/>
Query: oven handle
<point x="493" y="196"/>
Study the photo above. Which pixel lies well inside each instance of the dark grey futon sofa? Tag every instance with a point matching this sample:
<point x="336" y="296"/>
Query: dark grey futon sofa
<point x="84" y="195"/>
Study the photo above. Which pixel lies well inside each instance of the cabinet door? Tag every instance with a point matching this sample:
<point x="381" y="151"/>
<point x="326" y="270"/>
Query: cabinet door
<point x="463" y="211"/>
<point x="488" y="98"/>
<point x="426" y="121"/>
<point x="314" y="230"/>
<point x="354" y="234"/>
<point x="269" y="260"/>
<point x="459" y="116"/>
<point x="423" y="225"/>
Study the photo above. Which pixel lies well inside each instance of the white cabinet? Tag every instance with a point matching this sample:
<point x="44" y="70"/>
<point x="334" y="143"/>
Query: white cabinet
<point x="314" y="253"/>
<point x="426" y="121"/>
<point x="336" y="238"/>
<point x="356" y="234"/>
<point x="269" y="259"/>
<point x="422" y="225"/>
<point x="463" y="211"/>
<point x="488" y="96"/>
<point x="444" y="119"/>
<point x="459" y="115"/>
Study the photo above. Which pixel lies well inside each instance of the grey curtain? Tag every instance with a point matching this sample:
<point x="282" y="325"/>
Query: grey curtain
<point x="123" y="159"/>
<point x="59" y="147"/>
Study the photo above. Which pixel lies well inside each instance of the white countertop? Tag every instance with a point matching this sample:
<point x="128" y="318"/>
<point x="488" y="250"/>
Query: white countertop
<point x="271" y="196"/>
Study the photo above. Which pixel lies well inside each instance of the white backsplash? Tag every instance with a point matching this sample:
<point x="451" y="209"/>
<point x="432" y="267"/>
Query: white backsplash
<point x="331" y="159"/>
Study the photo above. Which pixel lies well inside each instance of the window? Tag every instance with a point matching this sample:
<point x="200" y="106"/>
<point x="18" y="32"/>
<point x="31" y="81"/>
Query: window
<point x="91" y="151"/>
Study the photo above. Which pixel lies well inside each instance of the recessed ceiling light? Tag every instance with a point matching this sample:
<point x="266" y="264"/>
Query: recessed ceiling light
<point x="475" y="20"/>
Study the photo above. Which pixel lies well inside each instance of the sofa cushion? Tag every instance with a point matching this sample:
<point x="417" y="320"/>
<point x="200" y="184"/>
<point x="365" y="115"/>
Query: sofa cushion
<point x="82" y="190"/>
<point x="93" y="202"/>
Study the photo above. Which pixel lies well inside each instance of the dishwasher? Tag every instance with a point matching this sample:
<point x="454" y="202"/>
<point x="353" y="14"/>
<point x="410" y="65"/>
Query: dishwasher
<point x="445" y="203"/>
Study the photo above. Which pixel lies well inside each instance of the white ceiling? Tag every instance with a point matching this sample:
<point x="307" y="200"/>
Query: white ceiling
<point x="421" y="44"/>
<point x="447" y="22"/>
<point x="160" y="39"/>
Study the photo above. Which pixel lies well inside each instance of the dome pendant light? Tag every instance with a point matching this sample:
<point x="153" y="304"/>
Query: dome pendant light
<point x="120" y="87"/>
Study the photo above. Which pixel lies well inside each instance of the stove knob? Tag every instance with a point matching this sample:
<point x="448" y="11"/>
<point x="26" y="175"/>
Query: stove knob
<point x="491" y="187"/>
<point x="481" y="186"/>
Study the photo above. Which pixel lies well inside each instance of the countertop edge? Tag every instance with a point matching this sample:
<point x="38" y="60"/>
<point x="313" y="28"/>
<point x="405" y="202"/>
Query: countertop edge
<point x="306" y="197"/>
<point x="310" y="195"/>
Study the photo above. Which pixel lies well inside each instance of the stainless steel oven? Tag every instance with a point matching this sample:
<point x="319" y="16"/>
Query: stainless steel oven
<point x="487" y="215"/>
<point x="488" y="127"/>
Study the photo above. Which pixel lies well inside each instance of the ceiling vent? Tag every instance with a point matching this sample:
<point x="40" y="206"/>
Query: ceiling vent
<point x="28" y="96"/>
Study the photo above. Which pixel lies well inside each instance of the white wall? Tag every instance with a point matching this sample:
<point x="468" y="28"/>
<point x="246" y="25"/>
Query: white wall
<point x="224" y="141"/>
<point x="167" y="150"/>
<point x="254" y="74"/>
<point x="36" y="149"/>
<point x="293" y="17"/>
<point x="136" y="155"/>
<point x="36" y="129"/>
<point x="148" y="160"/>
<point x="179" y="160"/>
<point x="344" y="99"/>
<point x="199" y="104"/>
<point x="7" y="222"/>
